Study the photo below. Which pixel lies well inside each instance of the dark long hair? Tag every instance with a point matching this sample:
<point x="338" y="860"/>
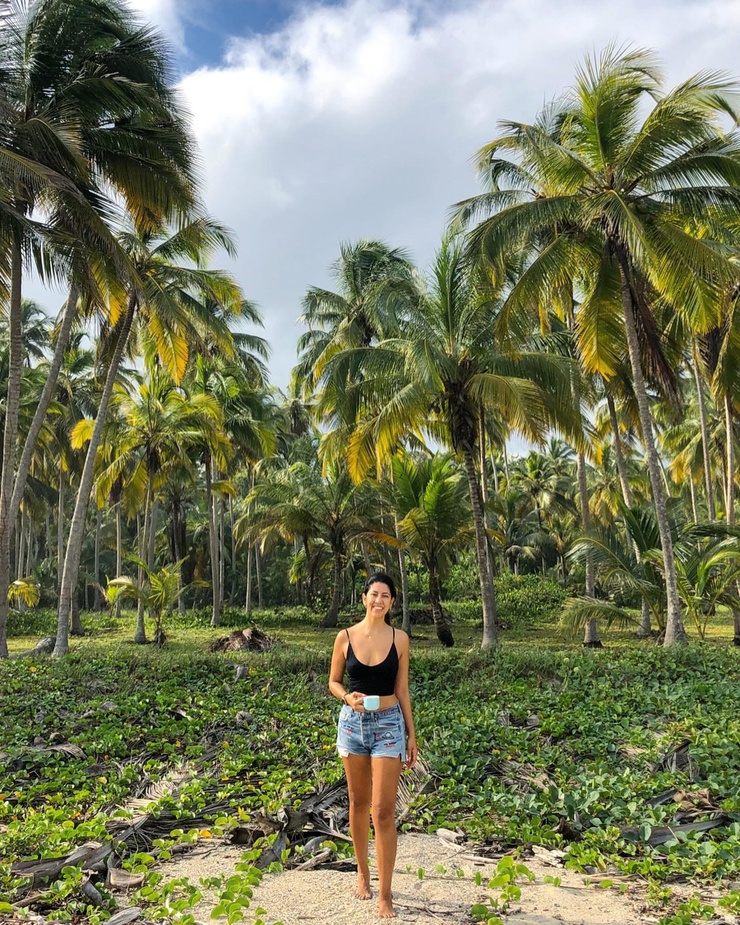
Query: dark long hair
<point x="384" y="579"/>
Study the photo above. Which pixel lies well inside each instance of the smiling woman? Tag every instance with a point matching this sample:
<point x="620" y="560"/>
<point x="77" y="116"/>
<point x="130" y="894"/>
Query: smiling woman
<point x="375" y="736"/>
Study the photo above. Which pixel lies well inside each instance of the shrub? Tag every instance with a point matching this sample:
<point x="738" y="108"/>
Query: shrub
<point x="528" y="600"/>
<point x="522" y="601"/>
<point x="42" y="622"/>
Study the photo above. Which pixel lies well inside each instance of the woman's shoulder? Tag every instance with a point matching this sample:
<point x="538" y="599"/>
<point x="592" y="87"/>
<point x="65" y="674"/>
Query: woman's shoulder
<point x="402" y="638"/>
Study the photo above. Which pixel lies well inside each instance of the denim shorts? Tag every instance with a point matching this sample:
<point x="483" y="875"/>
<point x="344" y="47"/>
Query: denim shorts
<point x="377" y="733"/>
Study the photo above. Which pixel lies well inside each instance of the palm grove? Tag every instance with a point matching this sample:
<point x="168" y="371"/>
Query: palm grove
<point x="585" y="301"/>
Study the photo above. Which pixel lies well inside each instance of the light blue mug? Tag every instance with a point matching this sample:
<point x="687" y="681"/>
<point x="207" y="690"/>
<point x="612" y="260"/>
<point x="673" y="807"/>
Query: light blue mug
<point x="371" y="702"/>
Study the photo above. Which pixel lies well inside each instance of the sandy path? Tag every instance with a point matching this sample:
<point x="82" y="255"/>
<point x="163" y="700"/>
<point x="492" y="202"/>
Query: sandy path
<point x="326" y="897"/>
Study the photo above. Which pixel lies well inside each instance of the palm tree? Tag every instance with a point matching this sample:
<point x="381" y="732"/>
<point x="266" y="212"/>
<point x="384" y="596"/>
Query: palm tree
<point x="440" y="374"/>
<point x="372" y="280"/>
<point x="157" y="428"/>
<point x="298" y="503"/>
<point x="428" y="498"/>
<point x="86" y="107"/>
<point x="628" y="195"/>
<point x="171" y="298"/>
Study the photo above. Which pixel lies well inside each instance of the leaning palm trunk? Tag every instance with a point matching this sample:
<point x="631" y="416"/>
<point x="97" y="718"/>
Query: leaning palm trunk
<point x="488" y="597"/>
<point x="39" y="415"/>
<point x="704" y="437"/>
<point x="332" y="614"/>
<point x="71" y="570"/>
<point x="10" y="435"/>
<point x="674" y="629"/>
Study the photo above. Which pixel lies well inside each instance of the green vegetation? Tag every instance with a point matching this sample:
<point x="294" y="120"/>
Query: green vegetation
<point x="535" y="743"/>
<point x="584" y="301"/>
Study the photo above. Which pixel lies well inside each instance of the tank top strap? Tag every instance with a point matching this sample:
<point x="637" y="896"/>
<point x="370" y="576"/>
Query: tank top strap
<point x="348" y="639"/>
<point x="394" y="634"/>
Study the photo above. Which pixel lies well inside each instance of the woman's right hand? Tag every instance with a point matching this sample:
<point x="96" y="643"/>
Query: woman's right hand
<point x="354" y="700"/>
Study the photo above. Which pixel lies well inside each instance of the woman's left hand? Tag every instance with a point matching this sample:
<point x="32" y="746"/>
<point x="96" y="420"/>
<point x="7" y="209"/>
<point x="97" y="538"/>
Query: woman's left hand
<point x="412" y="752"/>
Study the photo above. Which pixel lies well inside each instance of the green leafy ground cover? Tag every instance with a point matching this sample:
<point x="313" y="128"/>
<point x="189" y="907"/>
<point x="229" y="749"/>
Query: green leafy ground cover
<point x="539" y="743"/>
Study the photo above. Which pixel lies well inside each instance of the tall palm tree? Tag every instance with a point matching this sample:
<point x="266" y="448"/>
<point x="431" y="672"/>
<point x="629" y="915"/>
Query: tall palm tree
<point x="628" y="187"/>
<point x="429" y="498"/>
<point x="441" y="373"/>
<point x="169" y="291"/>
<point x="372" y="280"/>
<point x="298" y="503"/>
<point x="157" y="428"/>
<point x="86" y="107"/>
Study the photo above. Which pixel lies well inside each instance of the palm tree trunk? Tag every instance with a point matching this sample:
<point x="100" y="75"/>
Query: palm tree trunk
<point x="674" y="632"/>
<point x="332" y="614"/>
<point x="178" y="551"/>
<point x="619" y="452"/>
<point x="232" y="590"/>
<point x="590" y="584"/>
<point x="20" y="545"/>
<point x="730" y="495"/>
<point x="72" y="558"/>
<point x="213" y="544"/>
<point x="10" y="434"/>
<point x="694" y="499"/>
<point x="39" y="415"/>
<point x="96" y="565"/>
<point x="258" y="571"/>
<point x="119" y="549"/>
<point x="506" y="465"/>
<point x="645" y="627"/>
<point x="484" y="483"/>
<point x="704" y="436"/>
<point x="591" y="634"/>
<point x="248" y="599"/>
<point x="488" y="596"/>
<point x="406" y="618"/>
<point x="221" y="553"/>
<point x="366" y="559"/>
<point x="60" y="530"/>
<point x="444" y="633"/>
<point x="730" y="466"/>
<point x="140" y="633"/>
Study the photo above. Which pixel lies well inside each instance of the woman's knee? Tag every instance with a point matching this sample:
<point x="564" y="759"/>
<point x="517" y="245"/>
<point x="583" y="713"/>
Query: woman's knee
<point x="384" y="814"/>
<point x="359" y="802"/>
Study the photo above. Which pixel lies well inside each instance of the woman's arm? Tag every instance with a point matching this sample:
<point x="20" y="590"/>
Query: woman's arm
<point x="404" y="697"/>
<point x="336" y="674"/>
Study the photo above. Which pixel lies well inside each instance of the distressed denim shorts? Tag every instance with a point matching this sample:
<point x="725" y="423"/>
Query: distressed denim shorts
<point x="377" y="733"/>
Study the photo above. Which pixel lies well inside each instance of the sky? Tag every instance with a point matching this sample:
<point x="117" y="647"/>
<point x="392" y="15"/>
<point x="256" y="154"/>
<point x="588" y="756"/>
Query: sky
<point x="325" y="122"/>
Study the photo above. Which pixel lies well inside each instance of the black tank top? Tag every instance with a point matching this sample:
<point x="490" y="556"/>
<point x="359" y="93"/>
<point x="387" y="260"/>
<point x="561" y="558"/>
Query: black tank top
<point x="373" y="679"/>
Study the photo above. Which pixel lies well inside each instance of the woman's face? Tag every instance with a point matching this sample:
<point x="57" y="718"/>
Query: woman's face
<point x="377" y="599"/>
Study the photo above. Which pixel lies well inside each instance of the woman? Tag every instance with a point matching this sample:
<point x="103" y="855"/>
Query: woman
<point x="374" y="742"/>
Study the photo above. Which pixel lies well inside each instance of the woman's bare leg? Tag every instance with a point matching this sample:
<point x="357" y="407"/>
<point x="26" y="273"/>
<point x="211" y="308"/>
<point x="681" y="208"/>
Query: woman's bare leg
<point x="359" y="788"/>
<point x="385" y="774"/>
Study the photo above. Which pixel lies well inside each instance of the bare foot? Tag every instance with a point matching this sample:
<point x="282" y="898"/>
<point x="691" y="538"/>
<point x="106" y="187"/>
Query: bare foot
<point x="363" y="890"/>
<point x="385" y="909"/>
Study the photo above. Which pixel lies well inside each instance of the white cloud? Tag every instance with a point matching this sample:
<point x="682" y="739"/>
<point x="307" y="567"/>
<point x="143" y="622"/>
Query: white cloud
<point x="166" y="15"/>
<point x="360" y="120"/>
